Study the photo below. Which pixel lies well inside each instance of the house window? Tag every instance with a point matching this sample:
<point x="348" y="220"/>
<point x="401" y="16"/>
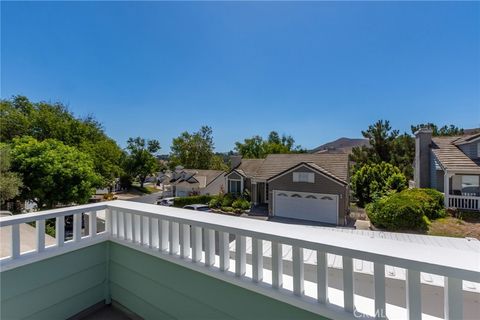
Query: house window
<point x="235" y="186"/>
<point x="470" y="185"/>
<point x="304" y="177"/>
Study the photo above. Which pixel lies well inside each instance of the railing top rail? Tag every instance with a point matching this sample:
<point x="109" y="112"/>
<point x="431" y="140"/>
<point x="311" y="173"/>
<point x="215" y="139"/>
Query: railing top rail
<point x="48" y="214"/>
<point x="426" y="258"/>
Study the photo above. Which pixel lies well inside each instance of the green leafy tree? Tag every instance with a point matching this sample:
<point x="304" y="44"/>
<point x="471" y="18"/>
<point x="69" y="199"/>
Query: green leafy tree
<point x="385" y="145"/>
<point x="446" y="130"/>
<point x="257" y="147"/>
<point x="20" y="117"/>
<point x="195" y="150"/>
<point x="53" y="173"/>
<point x="372" y="181"/>
<point x="141" y="160"/>
<point x="10" y="182"/>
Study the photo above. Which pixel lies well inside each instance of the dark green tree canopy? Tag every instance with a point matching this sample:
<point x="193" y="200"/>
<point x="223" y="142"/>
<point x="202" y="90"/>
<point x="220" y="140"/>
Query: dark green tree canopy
<point x="257" y="147"/>
<point x="141" y="160"/>
<point x="196" y="150"/>
<point x="10" y="182"/>
<point x="20" y="117"/>
<point x="446" y="130"/>
<point x="53" y="173"/>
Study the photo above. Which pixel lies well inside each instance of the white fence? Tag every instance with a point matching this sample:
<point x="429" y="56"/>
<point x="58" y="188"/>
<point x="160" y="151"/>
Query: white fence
<point x="200" y="241"/>
<point x="464" y="202"/>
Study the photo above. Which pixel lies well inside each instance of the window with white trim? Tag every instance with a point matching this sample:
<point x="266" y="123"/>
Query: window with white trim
<point x="308" y="177"/>
<point x="234" y="186"/>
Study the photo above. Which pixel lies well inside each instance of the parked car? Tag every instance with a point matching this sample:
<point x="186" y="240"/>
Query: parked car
<point x="168" y="202"/>
<point x="197" y="207"/>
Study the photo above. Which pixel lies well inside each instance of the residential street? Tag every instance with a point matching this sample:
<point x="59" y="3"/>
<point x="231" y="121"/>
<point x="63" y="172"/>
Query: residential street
<point x="148" y="198"/>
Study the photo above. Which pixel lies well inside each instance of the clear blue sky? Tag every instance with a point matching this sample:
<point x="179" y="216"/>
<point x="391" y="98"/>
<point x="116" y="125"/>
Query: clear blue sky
<point x="317" y="71"/>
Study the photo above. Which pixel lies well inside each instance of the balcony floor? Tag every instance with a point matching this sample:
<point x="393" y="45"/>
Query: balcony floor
<point x="109" y="312"/>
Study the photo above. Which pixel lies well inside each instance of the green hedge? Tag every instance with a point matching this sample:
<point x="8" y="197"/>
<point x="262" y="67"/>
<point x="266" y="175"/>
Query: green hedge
<point x="410" y="209"/>
<point x="183" y="201"/>
<point x="241" y="204"/>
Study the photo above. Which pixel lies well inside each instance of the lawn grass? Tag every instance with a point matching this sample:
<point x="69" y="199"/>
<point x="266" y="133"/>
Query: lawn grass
<point x="466" y="225"/>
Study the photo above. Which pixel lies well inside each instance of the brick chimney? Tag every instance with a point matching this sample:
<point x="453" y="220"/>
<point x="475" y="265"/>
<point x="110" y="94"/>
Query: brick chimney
<point x="423" y="140"/>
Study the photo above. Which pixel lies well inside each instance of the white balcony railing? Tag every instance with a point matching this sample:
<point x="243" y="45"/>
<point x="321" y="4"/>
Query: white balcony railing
<point x="200" y="241"/>
<point x="463" y="202"/>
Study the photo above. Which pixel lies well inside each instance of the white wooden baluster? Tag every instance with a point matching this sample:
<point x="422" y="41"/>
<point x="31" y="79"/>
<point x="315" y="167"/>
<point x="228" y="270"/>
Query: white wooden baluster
<point x="348" y="284"/>
<point x="155" y="234"/>
<point x="40" y="230"/>
<point x="150" y="233"/>
<point x="92" y="224"/>
<point x="322" y="277"/>
<point x="379" y="283"/>
<point x="15" y="241"/>
<point x="126" y="218"/>
<point x="257" y="259"/>
<point x="240" y="255"/>
<point x="224" y="250"/>
<point x="60" y="230"/>
<point x="108" y="220"/>
<point x="277" y="265"/>
<point x="453" y="298"/>
<point x="133" y="227"/>
<point x="197" y="244"/>
<point x="414" y="302"/>
<point x="185" y="240"/>
<point x="77" y="227"/>
<point x="298" y="271"/>
<point x="115" y="225"/>
<point x="209" y="243"/>
<point x="163" y="229"/>
<point x="173" y="238"/>
<point x="141" y="232"/>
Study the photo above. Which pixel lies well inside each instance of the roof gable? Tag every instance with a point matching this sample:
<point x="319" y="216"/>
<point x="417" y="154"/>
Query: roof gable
<point x="313" y="167"/>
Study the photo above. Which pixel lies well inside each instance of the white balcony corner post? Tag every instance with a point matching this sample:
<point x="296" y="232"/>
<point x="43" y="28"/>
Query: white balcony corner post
<point x="108" y="221"/>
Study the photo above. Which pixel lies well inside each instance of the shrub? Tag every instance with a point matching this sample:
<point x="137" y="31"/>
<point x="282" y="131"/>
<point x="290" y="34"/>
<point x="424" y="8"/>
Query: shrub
<point x="241" y="204"/>
<point x="227" y="200"/>
<point x="373" y="181"/>
<point x="410" y="209"/>
<point x="227" y="209"/>
<point x="183" y="201"/>
<point x="215" y="202"/>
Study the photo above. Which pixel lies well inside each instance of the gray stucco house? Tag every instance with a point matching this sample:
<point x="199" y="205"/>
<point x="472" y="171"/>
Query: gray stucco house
<point x="450" y="165"/>
<point x="311" y="187"/>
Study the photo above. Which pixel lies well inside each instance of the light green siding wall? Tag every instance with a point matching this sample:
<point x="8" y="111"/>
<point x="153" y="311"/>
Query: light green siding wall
<point x="153" y="288"/>
<point x="55" y="288"/>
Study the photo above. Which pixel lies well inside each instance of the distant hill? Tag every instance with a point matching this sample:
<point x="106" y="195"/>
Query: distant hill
<point x="342" y="145"/>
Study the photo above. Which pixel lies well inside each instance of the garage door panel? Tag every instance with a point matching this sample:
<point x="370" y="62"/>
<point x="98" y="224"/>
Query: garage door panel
<point x="306" y="206"/>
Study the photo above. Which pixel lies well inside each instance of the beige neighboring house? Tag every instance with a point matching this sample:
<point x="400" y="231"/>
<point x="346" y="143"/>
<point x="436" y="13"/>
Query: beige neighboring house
<point x="451" y="165"/>
<point x="187" y="182"/>
<point x="312" y="187"/>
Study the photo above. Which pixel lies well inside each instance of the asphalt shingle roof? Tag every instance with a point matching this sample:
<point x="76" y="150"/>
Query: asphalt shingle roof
<point x="451" y="157"/>
<point x="335" y="164"/>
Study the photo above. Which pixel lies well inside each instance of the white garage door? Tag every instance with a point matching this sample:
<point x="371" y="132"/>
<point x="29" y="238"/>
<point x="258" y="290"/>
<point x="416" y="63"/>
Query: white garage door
<point x="306" y="206"/>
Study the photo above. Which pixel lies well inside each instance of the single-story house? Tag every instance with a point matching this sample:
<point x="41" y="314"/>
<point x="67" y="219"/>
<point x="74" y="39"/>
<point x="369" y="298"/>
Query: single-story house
<point x="187" y="182"/>
<point x="450" y="165"/>
<point x="312" y="187"/>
